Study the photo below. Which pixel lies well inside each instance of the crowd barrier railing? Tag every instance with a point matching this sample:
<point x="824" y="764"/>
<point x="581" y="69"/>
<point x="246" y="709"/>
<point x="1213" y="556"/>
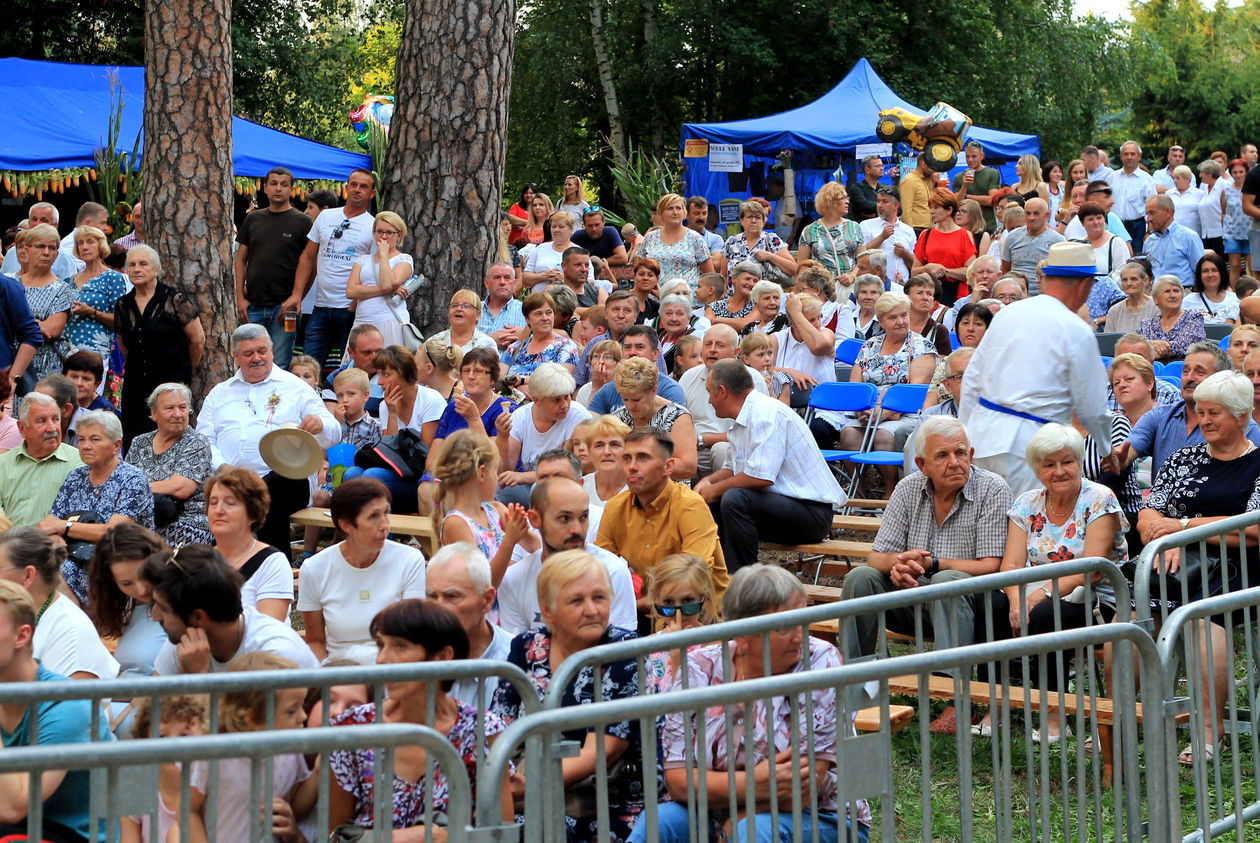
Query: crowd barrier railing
<point x="125" y="775"/>
<point x="864" y="763"/>
<point x="1156" y="596"/>
<point x="1199" y="642"/>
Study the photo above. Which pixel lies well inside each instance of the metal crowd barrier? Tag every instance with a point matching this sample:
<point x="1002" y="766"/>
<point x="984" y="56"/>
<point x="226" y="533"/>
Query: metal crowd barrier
<point x="864" y="763"/>
<point x="125" y="774"/>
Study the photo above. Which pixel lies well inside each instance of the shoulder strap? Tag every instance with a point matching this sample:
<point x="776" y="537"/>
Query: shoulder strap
<point x="254" y="562"/>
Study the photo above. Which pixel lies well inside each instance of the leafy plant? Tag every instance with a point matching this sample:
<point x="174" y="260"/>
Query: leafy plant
<point x="378" y="148"/>
<point x="642" y="178"/>
<point x="114" y="169"/>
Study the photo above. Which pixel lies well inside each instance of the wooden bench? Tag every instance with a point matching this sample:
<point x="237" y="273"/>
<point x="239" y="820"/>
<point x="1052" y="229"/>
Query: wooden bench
<point x="862" y="523"/>
<point x="899" y="716"/>
<point x="830" y="629"/>
<point x="1102" y="709"/>
<point x="408" y="525"/>
<point x="826" y="554"/>
<point x="822" y="593"/>
<point x="866" y="503"/>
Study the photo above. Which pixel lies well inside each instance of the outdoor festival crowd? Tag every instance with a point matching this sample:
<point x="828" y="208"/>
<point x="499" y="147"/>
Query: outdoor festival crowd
<point x="607" y="430"/>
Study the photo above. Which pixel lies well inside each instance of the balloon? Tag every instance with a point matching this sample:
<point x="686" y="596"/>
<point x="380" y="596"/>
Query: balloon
<point x="377" y="110"/>
<point x="341" y="454"/>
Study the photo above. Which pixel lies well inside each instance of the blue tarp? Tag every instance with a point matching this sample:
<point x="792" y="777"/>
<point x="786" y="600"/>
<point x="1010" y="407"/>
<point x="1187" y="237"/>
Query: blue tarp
<point x="832" y="125"/>
<point x="59" y="115"/>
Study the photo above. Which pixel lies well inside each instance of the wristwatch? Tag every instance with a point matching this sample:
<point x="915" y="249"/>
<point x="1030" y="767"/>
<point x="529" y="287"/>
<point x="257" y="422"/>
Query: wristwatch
<point x="1184" y="522"/>
<point x="65" y="534"/>
<point x="936" y="566"/>
<point x="1045" y="589"/>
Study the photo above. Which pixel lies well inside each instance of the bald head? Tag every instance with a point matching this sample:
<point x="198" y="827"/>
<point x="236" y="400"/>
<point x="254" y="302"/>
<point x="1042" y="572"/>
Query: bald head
<point x="1036" y="215"/>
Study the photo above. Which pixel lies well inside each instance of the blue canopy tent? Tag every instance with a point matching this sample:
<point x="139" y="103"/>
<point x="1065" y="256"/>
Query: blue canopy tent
<point x="59" y="115"/>
<point x="822" y="136"/>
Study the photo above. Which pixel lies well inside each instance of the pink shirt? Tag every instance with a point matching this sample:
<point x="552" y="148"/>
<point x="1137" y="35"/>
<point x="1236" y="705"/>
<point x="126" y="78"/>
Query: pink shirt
<point x="10" y="437"/>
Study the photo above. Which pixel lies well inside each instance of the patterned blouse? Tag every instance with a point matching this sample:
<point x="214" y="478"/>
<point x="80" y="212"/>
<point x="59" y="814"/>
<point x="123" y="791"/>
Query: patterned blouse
<point x="1237" y="224"/>
<point x="722" y="311"/>
<point x="189" y="457"/>
<point x="124" y="492"/>
<point x="488" y="538"/>
<point x="886" y="370"/>
<point x="835" y="246"/>
<point x="662" y="419"/>
<point x="354" y="768"/>
<point x="531" y="651"/>
<point x="522" y="363"/>
<point x="677" y="260"/>
<point x="1187" y="331"/>
<point x="102" y="293"/>
<point x="45" y="302"/>
<point x="1049" y="542"/>
<point x="737" y="249"/>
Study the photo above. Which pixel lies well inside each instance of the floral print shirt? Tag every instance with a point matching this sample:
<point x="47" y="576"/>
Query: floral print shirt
<point x="189" y="457"/>
<point x="45" y="302"/>
<point x="1049" y="542"/>
<point x="102" y="293"/>
<point x="522" y="363"/>
<point x="677" y="260"/>
<point x="1187" y="331"/>
<point x="737" y="249"/>
<point x="125" y="492"/>
<point x="354" y="770"/>
<point x="886" y="370"/>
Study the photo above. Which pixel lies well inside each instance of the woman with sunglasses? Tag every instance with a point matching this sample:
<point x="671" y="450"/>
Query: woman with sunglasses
<point x="683" y="596"/>
<point x="380" y="274"/>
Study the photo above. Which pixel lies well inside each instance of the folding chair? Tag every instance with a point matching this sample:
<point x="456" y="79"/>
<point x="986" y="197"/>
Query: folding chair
<point x="1173" y="369"/>
<point x="900" y="398"/>
<point x="842" y="398"/>
<point x="847" y="350"/>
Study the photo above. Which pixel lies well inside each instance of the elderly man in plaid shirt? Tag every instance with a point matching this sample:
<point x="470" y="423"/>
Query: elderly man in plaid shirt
<point x="944" y="522"/>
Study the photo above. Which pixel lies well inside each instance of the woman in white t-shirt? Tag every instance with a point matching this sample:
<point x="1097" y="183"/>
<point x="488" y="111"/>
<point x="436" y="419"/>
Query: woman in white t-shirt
<point x="1211" y="293"/>
<point x="65" y="642"/>
<point x="408" y="403"/>
<point x="544" y="424"/>
<point x="343" y="587"/>
<point x="380" y="274"/>
<point x="236" y="506"/>
<point x="542" y="268"/>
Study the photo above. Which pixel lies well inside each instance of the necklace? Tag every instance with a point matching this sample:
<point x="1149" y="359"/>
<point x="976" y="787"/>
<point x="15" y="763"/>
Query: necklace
<point x="52" y="595"/>
<point x="1052" y="510"/>
<point x="1245" y="451"/>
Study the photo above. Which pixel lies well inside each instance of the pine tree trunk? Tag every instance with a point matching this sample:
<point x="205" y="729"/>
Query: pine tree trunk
<point x="448" y="143"/>
<point x="187" y="166"/>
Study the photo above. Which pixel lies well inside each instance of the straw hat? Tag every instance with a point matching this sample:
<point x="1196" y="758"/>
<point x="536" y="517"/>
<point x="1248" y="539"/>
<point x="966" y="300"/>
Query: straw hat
<point x="291" y="452"/>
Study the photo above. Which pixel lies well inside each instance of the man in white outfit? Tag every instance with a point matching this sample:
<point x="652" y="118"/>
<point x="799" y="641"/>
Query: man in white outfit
<point x="1037" y="363"/>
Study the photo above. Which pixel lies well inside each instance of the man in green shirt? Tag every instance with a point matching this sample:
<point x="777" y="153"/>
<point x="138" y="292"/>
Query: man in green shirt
<point x="978" y="182"/>
<point x="32" y="473"/>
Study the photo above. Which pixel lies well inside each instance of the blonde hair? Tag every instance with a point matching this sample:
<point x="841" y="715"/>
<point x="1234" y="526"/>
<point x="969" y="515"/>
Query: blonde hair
<point x="752" y="209"/>
<point x="752" y="343"/>
<point x="667" y="200"/>
<point x="598" y="426"/>
<point x="975" y="218"/>
<point x="888" y="302"/>
<point x="828" y="196"/>
<point x="466" y="295"/>
<point x="684" y="342"/>
<point x="691" y="572"/>
<point x="246" y="711"/>
<point x="19" y="604"/>
<point x="561" y="569"/>
<point x="462" y="454"/>
<point x="352" y="377"/>
<point x="1137" y="363"/>
<point x="392" y="219"/>
<point x="91" y="232"/>
<point x="306" y="360"/>
<point x="1032" y="173"/>
<point x="42" y="233"/>
<point x="610" y="347"/>
<point x="635" y="376"/>
<point x="184" y="708"/>
<point x="579" y="435"/>
<point x="562" y="216"/>
<point x="548" y="211"/>
<point x="443" y="354"/>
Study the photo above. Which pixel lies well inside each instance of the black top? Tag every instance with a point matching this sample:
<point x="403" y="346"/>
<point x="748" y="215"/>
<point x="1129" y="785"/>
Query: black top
<point x="601" y="248"/>
<point x="1193" y="484"/>
<point x="275" y="241"/>
<point x="157" y="347"/>
<point x="862" y="198"/>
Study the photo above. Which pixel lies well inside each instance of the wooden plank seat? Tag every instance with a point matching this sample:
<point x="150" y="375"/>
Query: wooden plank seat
<point x="861" y="523"/>
<point x="866" y="503"/>
<point x="407" y="525"/>
<point x="831" y="548"/>
<point x="822" y="593"/>
<point x="899" y="716"/>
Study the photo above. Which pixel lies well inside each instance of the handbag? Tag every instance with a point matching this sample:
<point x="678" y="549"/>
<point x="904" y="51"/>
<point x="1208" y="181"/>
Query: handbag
<point x="403" y="454"/>
<point x="78" y="551"/>
<point x="580" y="799"/>
<point x="412" y="339"/>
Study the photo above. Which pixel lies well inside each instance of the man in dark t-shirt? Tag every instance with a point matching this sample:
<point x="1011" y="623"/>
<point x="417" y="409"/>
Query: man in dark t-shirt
<point x="1251" y="205"/>
<point x="269" y="243"/>
<point x="599" y="239"/>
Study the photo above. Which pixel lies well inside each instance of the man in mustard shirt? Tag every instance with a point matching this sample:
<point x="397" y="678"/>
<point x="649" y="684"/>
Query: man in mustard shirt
<point x="32" y="473"/>
<point x="656" y="517"/>
<point x="916" y="188"/>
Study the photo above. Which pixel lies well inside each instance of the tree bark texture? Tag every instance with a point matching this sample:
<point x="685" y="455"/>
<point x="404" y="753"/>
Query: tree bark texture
<point x="187" y="165"/>
<point x="448" y="143"/>
<point x="607" y="81"/>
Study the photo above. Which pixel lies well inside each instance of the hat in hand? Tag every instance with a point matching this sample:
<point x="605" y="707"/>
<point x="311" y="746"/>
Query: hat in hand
<point x="291" y="452"/>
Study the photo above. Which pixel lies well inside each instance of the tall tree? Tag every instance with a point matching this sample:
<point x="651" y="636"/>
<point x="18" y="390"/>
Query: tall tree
<point x="447" y="141"/>
<point x="187" y="165"/>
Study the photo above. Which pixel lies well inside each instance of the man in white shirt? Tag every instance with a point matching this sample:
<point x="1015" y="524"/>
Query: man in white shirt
<point x="1163" y="177"/>
<point x="1002" y="405"/>
<point x="713" y="449"/>
<point x="43" y="213"/>
<point x="90" y="213"/>
<point x="257" y="399"/>
<point x="559" y="511"/>
<point x="1131" y="186"/>
<point x="1024" y="248"/>
<point x="458" y="577"/>
<point x="339" y="237"/>
<point x="886" y="231"/>
<point x="197" y="600"/>
<point x="777" y="488"/>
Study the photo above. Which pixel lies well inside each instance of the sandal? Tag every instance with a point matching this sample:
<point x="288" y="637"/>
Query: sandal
<point x="1186" y="758"/>
<point x="946" y="723"/>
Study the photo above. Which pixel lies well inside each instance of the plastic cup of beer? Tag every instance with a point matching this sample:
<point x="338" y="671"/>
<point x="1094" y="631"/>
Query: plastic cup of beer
<point x="290" y="320"/>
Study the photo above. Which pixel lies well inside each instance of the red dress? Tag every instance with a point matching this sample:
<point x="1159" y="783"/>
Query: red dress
<point x="951" y="250"/>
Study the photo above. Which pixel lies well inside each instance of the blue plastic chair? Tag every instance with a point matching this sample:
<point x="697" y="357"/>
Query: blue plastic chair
<point x="847" y="351"/>
<point x="1159" y="368"/>
<point x="901" y="398"/>
<point x="1167" y="379"/>
<point x="842" y="398"/>
<point x="1224" y="343"/>
<point x="954" y="342"/>
<point x="1106" y="361"/>
<point x="1173" y="370"/>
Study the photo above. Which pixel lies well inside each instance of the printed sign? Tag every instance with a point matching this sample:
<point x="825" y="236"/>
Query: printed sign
<point x="696" y="148"/>
<point x="726" y="158"/>
<point x="728" y="213"/>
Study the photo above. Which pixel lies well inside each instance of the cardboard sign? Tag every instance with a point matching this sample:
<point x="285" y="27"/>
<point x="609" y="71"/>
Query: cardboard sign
<point x="696" y="148"/>
<point x="726" y="158"/>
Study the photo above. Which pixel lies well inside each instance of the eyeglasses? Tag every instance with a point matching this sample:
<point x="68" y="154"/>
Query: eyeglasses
<point x="380" y="232"/>
<point x="341" y="229"/>
<point x="952" y="378"/>
<point x="463" y="305"/>
<point x="688" y="609"/>
<point x="1106" y="190"/>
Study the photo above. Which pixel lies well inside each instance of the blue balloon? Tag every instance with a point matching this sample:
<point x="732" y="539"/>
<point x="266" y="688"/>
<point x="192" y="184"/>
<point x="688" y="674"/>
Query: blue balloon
<point x="341" y="454"/>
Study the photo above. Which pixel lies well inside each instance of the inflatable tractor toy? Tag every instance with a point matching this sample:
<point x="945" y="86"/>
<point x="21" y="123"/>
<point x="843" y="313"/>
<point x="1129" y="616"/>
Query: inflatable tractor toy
<point x="939" y="134"/>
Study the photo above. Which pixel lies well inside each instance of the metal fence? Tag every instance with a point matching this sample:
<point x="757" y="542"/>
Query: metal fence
<point x="124" y="775"/>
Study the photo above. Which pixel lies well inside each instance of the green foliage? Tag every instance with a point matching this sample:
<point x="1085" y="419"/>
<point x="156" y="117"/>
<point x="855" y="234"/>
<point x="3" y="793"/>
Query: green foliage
<point x="116" y="169"/>
<point x="641" y="180"/>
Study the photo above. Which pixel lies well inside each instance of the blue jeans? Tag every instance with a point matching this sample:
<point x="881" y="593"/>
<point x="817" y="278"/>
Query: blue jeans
<point x="672" y="827"/>
<point x="281" y="340"/>
<point x="327" y="328"/>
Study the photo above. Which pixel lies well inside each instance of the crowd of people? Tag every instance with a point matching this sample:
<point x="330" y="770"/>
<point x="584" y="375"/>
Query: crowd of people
<point x="605" y="432"/>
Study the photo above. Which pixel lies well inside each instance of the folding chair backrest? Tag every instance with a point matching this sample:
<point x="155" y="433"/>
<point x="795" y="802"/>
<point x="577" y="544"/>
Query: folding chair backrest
<point x="847" y="351"/>
<point x="844" y="397"/>
<point x="904" y="398"/>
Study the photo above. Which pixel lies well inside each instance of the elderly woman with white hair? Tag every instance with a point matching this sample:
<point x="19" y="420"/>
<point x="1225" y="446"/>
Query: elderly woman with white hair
<point x="1175" y="328"/>
<point x="545" y="423"/>
<point x="768" y="738"/>
<point x="112" y="490"/>
<point x="1069" y="517"/>
<point x="737" y="308"/>
<point x="160" y="335"/>
<point x="177" y="460"/>
<point x="676" y="321"/>
<point x="768" y="314"/>
<point x="982" y="275"/>
<point x="1200" y="484"/>
<point x="1186" y="199"/>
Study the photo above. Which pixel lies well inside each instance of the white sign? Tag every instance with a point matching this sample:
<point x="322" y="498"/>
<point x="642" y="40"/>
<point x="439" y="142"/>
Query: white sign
<point x="726" y="158"/>
<point x="883" y="150"/>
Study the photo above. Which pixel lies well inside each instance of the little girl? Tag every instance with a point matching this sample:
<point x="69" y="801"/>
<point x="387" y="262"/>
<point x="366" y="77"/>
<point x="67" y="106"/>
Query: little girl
<point x="576" y="445"/>
<point x="178" y="717"/>
<point x="306" y="368"/>
<point x="757" y="352"/>
<point x="293" y="787"/>
<point x="686" y="355"/>
<point x="468" y="477"/>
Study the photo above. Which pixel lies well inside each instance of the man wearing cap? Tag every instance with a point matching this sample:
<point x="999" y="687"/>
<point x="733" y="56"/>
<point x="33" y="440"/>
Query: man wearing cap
<point x="260" y="398"/>
<point x="1038" y="364"/>
<point x="886" y="231"/>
